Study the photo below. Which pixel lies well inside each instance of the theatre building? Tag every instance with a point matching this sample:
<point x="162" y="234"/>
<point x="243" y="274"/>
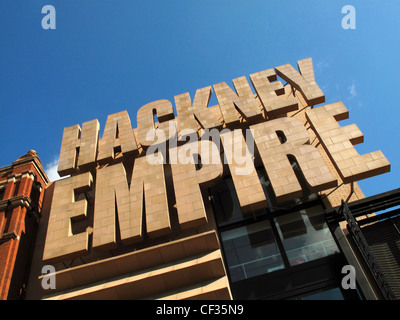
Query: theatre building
<point x="253" y="198"/>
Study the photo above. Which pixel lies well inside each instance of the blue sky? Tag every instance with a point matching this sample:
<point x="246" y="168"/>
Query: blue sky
<point x="106" y="56"/>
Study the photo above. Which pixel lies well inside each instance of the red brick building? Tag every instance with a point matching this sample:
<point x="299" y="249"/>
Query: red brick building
<point x="22" y="186"/>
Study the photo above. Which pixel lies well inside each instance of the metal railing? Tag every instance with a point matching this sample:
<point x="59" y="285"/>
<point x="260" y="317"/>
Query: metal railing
<point x="364" y="248"/>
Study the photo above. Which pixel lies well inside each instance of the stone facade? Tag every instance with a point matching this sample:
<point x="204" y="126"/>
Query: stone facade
<point x="120" y="224"/>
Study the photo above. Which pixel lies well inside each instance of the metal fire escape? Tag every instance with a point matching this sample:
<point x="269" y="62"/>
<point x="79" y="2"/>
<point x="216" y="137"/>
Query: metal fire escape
<point x="384" y="265"/>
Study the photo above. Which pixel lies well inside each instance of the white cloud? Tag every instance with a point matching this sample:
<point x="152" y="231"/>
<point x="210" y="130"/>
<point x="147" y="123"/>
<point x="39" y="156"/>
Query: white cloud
<point x="322" y="65"/>
<point x="51" y="170"/>
<point x="352" y="90"/>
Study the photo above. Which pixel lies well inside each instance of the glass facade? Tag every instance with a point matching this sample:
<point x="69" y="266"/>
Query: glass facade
<point x="251" y="250"/>
<point x="274" y="240"/>
<point x="305" y="235"/>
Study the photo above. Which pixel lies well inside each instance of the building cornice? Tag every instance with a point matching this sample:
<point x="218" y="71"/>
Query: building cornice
<point x="22" y="201"/>
<point x="30" y="157"/>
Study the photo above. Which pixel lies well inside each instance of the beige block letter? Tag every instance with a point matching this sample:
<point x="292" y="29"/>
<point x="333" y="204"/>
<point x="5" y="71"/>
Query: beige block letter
<point x="339" y="144"/>
<point x="235" y="105"/>
<point x="187" y="181"/>
<point x="116" y="201"/>
<point x="272" y="93"/>
<point x="189" y="113"/>
<point x="78" y="148"/>
<point x="61" y="244"/>
<point x="279" y="139"/>
<point x="146" y="127"/>
<point x="248" y="187"/>
<point x="303" y="81"/>
<point x="118" y="132"/>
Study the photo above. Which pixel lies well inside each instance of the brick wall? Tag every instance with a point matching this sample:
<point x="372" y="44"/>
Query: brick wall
<point x="18" y="220"/>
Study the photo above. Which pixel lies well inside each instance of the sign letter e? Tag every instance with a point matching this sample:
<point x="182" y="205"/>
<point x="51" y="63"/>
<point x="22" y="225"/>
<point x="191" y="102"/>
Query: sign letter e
<point x="49" y="20"/>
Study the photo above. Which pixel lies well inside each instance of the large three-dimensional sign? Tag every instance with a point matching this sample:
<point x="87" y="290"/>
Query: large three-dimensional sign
<point x="124" y="175"/>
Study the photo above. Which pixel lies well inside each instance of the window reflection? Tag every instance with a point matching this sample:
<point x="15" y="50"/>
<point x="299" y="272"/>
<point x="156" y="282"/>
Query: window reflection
<point x="251" y="250"/>
<point x="305" y="235"/>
